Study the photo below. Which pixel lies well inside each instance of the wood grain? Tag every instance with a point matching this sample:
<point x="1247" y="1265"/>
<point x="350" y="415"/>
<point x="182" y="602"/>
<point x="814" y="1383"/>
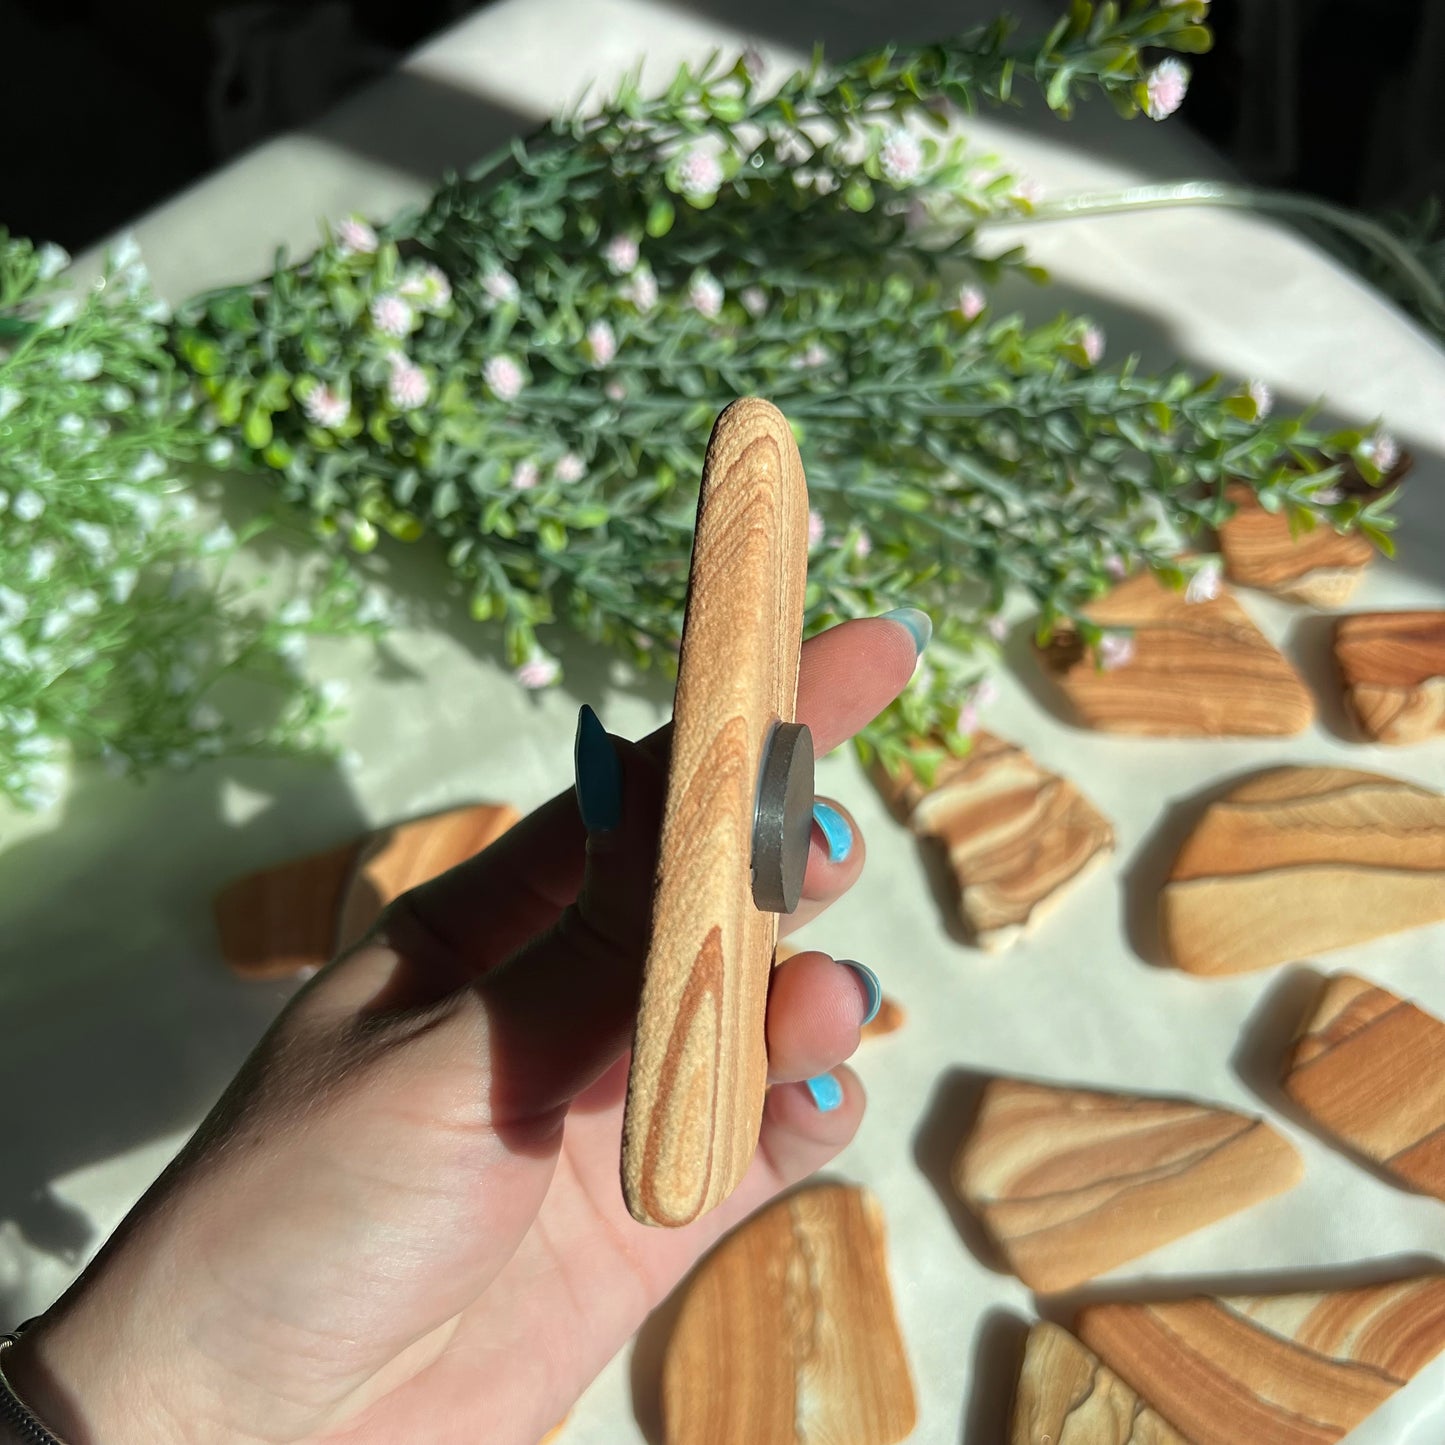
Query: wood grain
<point x="1017" y="837"/>
<point x="1067" y="1396"/>
<point x="1301" y="860"/>
<point x="1321" y="567"/>
<point x="1298" y="1369"/>
<point x="395" y="859"/>
<point x="1199" y="669"/>
<point x="1069" y="1183"/>
<point x="1393" y="668"/>
<point x="1370" y="1069"/>
<point x="699" y="1066"/>
<point x="787" y="1333"/>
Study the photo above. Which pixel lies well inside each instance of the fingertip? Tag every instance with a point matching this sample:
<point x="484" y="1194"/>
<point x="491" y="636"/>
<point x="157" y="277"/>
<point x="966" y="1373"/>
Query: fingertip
<point x="815" y="1012"/>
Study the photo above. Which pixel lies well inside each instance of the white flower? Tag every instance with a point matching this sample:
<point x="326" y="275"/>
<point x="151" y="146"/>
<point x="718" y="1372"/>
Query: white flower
<point x="374" y="608"/>
<point x="407" y="387"/>
<point x="754" y="299"/>
<point x="503" y="377"/>
<point x="1092" y="342"/>
<point x="1205" y="584"/>
<point x="392" y="316"/>
<point x="863" y="546"/>
<point x="116" y="397"/>
<point x="147" y="467"/>
<point x="753" y="62"/>
<point x="205" y="718"/>
<point x="1027" y="192"/>
<point x="220" y="450"/>
<point x="13" y="650"/>
<point x="71" y="424"/>
<point x="615" y="391"/>
<point x="621" y="253"/>
<point x="326" y="407"/>
<point x="970" y="303"/>
<point x="1328" y="496"/>
<point x="124" y="252"/>
<point x="705" y="294"/>
<point x="156" y="310"/>
<point x="152" y="407"/>
<point x="997" y="628"/>
<point x="1381" y="450"/>
<point x="569" y="468"/>
<point x="1116" y="649"/>
<point x="61" y="312"/>
<point x="815" y="355"/>
<point x="44" y="786"/>
<point x="296" y="613"/>
<point x="54" y="624"/>
<point x="122" y="583"/>
<point x="43" y="556"/>
<point x="540" y="671"/>
<point x="93" y="537"/>
<point x="334" y="692"/>
<point x="355" y="237"/>
<point x="22" y="721"/>
<point x="81" y="365"/>
<point x="699" y="173"/>
<point x="501" y="286"/>
<point x="183" y="506"/>
<point x="816" y="527"/>
<point x="1262" y="397"/>
<point x="219" y="539"/>
<point x="28" y="505"/>
<point x="601" y="343"/>
<point x="1165" y="87"/>
<point x="13" y="607"/>
<point x="524" y="476"/>
<point x="147" y="508"/>
<point x="291" y="648"/>
<point x="429" y="288"/>
<point x="83" y="603"/>
<point x="53" y="260"/>
<point x="967" y="719"/>
<point x="1115" y="565"/>
<point x="9" y="400"/>
<point x="901" y="157"/>
<point x="641" y="290"/>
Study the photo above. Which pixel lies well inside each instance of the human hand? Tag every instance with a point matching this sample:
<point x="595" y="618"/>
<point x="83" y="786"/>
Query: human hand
<point x="403" y="1221"/>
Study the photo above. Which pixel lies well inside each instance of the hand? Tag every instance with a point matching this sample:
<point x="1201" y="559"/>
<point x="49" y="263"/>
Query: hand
<point x="403" y="1221"/>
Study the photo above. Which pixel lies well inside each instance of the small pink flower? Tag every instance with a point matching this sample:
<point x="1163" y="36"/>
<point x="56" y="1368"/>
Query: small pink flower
<point x="429" y="288"/>
<point x="355" y="237"/>
<point x="1262" y="397"/>
<point x="1115" y="565"/>
<point x="863" y="547"/>
<point x="1328" y="496"/>
<point x="705" y="293"/>
<point x="1381" y="450"/>
<point x="621" y="253"/>
<point x="1028" y="192"/>
<point x="500" y="286"/>
<point x="1165" y="87"/>
<point x="997" y="628"/>
<point x="968" y="719"/>
<point x="970" y="303"/>
<point x="699" y="173"/>
<point x="816" y="527"/>
<point x="1092" y="342"/>
<point x="1206" y="583"/>
<point x="814" y="356"/>
<point x="324" y="406"/>
<point x="601" y="343"/>
<point x="569" y="468"/>
<point x="1116" y="649"/>
<point x="525" y="476"/>
<point x="753" y="62"/>
<point x="392" y="316"/>
<point x="900" y="157"/>
<point x="407" y="387"/>
<point x="641" y="291"/>
<point x="503" y="377"/>
<point x="615" y="391"/>
<point x="754" y="299"/>
<point x="984" y="693"/>
<point x="538" y="672"/>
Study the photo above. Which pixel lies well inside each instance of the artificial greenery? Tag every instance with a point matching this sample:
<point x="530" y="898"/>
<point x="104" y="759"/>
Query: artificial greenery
<point x="527" y="368"/>
<point x="119" y="627"/>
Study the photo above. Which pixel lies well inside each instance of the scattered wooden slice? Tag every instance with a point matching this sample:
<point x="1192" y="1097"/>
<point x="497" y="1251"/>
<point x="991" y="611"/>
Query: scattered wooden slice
<point x="1069" y="1183"/>
<point x="1393" y="667"/>
<point x="1370" y="1068"/>
<point x="1197" y="669"/>
<point x="1320" y="567"/>
<point x="395" y="859"/>
<point x="1017" y="836"/>
<point x="1297" y="1369"/>
<point x="1067" y="1396"/>
<point x="1300" y="860"/>
<point x="787" y="1333"/>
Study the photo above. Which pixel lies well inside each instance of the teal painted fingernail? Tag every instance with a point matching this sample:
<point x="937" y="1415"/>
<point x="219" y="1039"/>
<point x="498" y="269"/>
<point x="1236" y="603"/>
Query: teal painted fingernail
<point x="836" y="832"/>
<point x="870" y="982"/>
<point x="598" y="772"/>
<point x="827" y="1093"/>
<point x="918" y="623"/>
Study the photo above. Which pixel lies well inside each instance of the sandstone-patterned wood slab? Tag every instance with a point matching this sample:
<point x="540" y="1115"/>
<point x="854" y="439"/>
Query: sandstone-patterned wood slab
<point x="1370" y="1068"/>
<point x="1017" y="836"/>
<point x="787" y="1333"/>
<point x="395" y="859"/>
<point x="1069" y="1183"/>
<point x="1298" y="1369"/>
<point x="1301" y="860"/>
<point x="282" y="920"/>
<point x="1393" y="668"/>
<point x="1067" y="1396"/>
<point x="1198" y="669"/>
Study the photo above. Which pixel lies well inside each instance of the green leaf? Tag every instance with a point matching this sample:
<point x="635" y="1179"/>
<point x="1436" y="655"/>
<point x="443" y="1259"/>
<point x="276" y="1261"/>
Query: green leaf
<point x="660" y="216"/>
<point x="1192" y="40"/>
<point x="257" y="429"/>
<point x="584" y="518"/>
<point x="858" y="195"/>
<point x="552" y="535"/>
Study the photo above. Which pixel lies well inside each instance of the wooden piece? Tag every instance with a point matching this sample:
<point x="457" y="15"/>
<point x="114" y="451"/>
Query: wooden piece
<point x="787" y="1333"/>
<point x="1069" y="1183"/>
<point x="394" y="859"/>
<point x="699" y="1065"/>
<point x="1066" y="1396"/>
<point x="1297" y="1369"/>
<point x="1017" y="836"/>
<point x="282" y="920"/>
<point x="1300" y="860"/>
<point x="1393" y="667"/>
<point x="889" y="1019"/>
<point x="1198" y="669"/>
<point x="1321" y="567"/>
<point x="1370" y="1068"/>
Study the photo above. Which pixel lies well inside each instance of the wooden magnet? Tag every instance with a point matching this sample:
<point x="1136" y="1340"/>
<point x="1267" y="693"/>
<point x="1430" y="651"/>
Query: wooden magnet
<point x="735" y="816"/>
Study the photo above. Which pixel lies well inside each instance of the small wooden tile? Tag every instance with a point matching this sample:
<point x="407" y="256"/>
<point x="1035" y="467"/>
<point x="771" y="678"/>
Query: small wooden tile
<point x="1301" y="860"/>
<point x="395" y="859"/>
<point x="1069" y="1183"/>
<point x="1066" y="1396"/>
<point x="1370" y="1068"/>
<point x="1298" y="1369"/>
<point x="1198" y="669"/>
<point x="1393" y="668"/>
<point x="1017" y="836"/>
<point x="787" y="1333"/>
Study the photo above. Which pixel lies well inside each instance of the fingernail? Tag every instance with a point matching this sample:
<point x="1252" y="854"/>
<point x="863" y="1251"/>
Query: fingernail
<point x="918" y="623"/>
<point x="836" y="832"/>
<point x="871" y="984"/>
<point x="827" y="1093"/>
<point x="598" y="772"/>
